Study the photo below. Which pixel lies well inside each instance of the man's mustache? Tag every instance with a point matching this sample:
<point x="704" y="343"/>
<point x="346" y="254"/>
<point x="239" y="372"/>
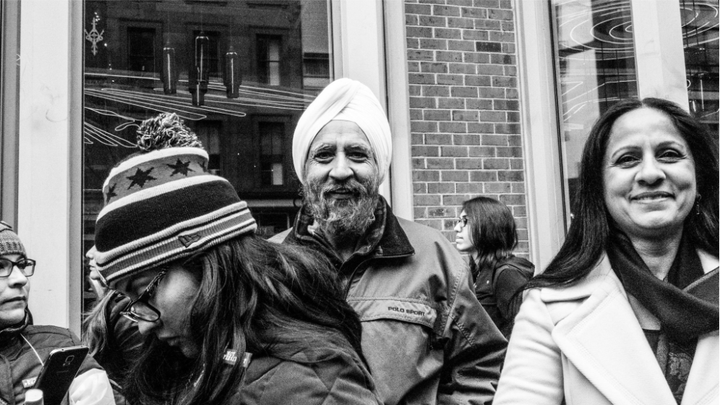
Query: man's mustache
<point x="353" y="187"/>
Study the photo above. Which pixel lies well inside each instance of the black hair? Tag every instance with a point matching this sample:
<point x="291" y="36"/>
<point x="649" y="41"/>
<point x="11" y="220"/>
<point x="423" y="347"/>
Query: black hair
<point x="492" y="231"/>
<point x="253" y="294"/>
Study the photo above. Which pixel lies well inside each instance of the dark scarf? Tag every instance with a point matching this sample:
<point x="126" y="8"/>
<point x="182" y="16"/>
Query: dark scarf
<point x="686" y="305"/>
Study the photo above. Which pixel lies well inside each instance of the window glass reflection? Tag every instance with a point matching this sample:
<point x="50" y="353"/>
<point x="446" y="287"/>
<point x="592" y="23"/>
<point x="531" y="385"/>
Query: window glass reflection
<point x="700" y="40"/>
<point x="238" y="72"/>
<point x="595" y="64"/>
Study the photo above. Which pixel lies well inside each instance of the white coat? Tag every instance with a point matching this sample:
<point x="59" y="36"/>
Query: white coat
<point x="584" y="344"/>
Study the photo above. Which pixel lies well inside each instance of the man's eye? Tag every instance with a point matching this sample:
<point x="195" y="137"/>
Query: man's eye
<point x="323" y="156"/>
<point x="358" y="155"/>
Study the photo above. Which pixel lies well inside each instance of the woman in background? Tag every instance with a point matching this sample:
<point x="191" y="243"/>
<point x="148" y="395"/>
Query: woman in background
<point x="627" y="311"/>
<point x="486" y="232"/>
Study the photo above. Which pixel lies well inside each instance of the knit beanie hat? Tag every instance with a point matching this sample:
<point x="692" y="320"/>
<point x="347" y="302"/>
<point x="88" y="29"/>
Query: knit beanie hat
<point x="10" y="243"/>
<point x="163" y="205"/>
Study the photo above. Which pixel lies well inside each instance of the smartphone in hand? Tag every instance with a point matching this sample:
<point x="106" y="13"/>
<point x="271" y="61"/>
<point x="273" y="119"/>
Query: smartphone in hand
<point x="58" y="373"/>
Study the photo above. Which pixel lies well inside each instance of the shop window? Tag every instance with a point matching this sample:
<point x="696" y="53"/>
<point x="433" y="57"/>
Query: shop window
<point x="232" y="70"/>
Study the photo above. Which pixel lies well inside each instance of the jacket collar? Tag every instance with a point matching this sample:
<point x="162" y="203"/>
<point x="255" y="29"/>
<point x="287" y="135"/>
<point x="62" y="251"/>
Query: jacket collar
<point x="385" y="237"/>
<point x="11" y="334"/>
<point x="615" y="360"/>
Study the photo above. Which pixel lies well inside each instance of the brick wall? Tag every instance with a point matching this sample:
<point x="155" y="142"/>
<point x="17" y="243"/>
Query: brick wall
<point x="464" y="109"/>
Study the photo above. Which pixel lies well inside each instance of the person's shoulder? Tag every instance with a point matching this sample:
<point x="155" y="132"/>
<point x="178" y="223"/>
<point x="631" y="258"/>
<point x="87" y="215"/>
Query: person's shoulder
<point x="309" y="375"/>
<point x="514" y="265"/>
<point x="53" y="335"/>
<point x="601" y="275"/>
<point x="420" y="233"/>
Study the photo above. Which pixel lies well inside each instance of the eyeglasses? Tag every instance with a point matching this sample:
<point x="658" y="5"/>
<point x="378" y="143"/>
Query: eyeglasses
<point x="140" y="310"/>
<point x="26" y="267"/>
<point x="462" y="221"/>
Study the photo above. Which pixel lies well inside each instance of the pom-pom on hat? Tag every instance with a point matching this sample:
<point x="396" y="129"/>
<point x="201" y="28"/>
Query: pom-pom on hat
<point x="163" y="205"/>
<point x="10" y="243"/>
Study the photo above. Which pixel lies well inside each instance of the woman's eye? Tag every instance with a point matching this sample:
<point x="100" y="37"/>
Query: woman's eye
<point x="626" y="160"/>
<point x="670" y="155"/>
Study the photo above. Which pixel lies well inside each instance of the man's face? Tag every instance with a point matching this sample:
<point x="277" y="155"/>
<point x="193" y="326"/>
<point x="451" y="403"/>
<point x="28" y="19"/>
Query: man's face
<point x="341" y="178"/>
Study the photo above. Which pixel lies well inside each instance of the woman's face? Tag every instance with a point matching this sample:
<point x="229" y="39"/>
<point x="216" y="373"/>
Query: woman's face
<point x="173" y="298"/>
<point x="648" y="175"/>
<point x="14" y="290"/>
<point x="463" y="241"/>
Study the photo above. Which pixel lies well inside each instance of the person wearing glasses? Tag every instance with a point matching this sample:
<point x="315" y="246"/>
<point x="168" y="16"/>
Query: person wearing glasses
<point x="24" y="347"/>
<point x="229" y="317"/>
<point x="486" y="232"/>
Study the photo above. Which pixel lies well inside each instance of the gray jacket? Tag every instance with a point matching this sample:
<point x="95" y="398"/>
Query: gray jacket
<point x="425" y="336"/>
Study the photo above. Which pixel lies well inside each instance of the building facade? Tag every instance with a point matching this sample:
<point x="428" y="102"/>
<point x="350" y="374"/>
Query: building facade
<point x="484" y="97"/>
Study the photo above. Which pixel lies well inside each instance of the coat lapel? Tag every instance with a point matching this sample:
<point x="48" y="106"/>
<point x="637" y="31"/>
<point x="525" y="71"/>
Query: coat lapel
<point x="617" y="360"/>
<point x="702" y="383"/>
<point x="704" y="378"/>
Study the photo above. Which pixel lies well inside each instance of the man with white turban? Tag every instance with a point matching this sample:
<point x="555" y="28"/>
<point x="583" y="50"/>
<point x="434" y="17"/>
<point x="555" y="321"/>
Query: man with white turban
<point x="425" y="336"/>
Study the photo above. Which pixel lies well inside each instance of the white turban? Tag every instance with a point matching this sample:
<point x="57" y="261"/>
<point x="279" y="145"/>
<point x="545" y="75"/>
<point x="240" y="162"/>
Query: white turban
<point x="347" y="100"/>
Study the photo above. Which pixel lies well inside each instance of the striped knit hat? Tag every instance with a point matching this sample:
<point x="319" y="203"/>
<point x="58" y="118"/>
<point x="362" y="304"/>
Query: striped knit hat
<point x="9" y="241"/>
<point x="163" y="205"/>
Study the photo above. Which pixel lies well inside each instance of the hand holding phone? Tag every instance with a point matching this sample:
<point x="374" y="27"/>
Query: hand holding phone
<point x="59" y="371"/>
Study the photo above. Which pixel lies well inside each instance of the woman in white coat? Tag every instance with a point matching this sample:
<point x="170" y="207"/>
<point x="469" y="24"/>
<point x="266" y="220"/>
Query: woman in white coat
<point x="627" y="312"/>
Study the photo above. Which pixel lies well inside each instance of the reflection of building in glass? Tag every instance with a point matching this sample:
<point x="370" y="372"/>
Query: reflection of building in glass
<point x="700" y="39"/>
<point x="239" y="73"/>
<point x="596" y="61"/>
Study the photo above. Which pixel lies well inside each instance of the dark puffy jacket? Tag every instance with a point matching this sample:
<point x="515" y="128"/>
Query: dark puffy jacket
<point x="425" y="336"/>
<point x="303" y="374"/>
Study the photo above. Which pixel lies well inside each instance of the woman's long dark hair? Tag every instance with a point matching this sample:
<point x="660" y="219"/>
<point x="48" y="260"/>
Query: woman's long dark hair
<point x="591" y="226"/>
<point x="492" y="230"/>
<point x="253" y="295"/>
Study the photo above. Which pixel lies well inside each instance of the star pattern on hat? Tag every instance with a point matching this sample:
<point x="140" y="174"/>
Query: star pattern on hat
<point x="111" y="192"/>
<point x="180" y="167"/>
<point x="141" y="177"/>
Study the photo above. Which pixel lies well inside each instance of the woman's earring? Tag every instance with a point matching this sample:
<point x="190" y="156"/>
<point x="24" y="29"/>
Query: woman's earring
<point x="697" y="204"/>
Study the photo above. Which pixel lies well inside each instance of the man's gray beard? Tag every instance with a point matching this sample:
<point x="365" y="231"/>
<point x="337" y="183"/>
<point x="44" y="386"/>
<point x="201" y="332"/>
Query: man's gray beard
<point x="343" y="220"/>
